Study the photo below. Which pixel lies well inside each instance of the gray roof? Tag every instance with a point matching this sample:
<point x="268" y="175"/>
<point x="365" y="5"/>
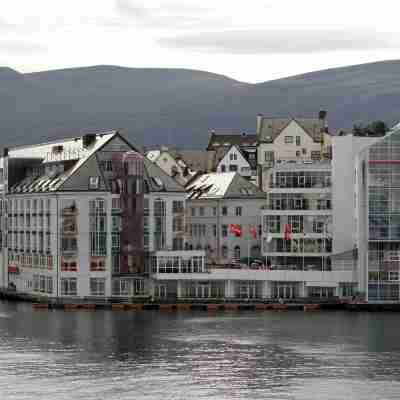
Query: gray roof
<point x="222" y="185"/>
<point x="228" y="139"/>
<point x="270" y="128"/>
<point x="79" y="164"/>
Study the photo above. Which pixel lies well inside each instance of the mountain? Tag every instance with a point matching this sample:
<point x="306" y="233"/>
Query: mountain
<point x="178" y="107"/>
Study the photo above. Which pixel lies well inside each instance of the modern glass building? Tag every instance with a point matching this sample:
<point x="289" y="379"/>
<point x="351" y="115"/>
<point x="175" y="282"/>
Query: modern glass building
<point x="377" y="199"/>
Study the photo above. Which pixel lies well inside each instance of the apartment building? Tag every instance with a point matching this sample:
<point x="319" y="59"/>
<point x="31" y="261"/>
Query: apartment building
<point x="290" y="139"/>
<point x="81" y="216"/>
<point x="297" y="231"/>
<point x="215" y="202"/>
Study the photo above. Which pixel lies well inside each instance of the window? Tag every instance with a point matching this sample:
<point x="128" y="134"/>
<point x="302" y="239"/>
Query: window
<point x="177" y="224"/>
<point x="94" y="182"/>
<point x="288" y="139"/>
<point x="224" y="252"/>
<point x="236" y="252"/>
<point x="49" y="285"/>
<point x="315" y="155"/>
<point x="298" y="140"/>
<point x="304" y="151"/>
<point x="97" y="264"/>
<point x="224" y="211"/>
<point x="296" y="223"/>
<point x="177" y="243"/>
<point x="297" y="153"/>
<point x="214" y="211"/>
<point x="238" y="211"/>
<point x="68" y="286"/>
<point x="214" y="229"/>
<point x="177" y="206"/>
<point x="224" y="230"/>
<point x="269" y="156"/>
<point x="68" y="245"/>
<point x="193" y="211"/>
<point x="233" y="168"/>
<point x="98" y="227"/>
<point x="97" y="286"/>
<point x="201" y="211"/>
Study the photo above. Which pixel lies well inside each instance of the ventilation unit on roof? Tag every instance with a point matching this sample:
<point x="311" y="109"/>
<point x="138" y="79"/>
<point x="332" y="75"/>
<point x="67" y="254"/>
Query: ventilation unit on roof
<point x="57" y="149"/>
<point x="88" y="139"/>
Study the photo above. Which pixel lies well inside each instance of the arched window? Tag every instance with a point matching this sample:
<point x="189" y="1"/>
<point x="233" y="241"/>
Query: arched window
<point x="236" y="252"/>
<point x="224" y="252"/>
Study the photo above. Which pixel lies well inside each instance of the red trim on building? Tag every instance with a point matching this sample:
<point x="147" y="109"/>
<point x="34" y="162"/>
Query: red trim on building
<point x="13" y="269"/>
<point x="384" y="161"/>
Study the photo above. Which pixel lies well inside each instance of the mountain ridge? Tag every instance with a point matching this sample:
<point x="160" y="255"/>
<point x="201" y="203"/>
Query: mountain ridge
<point x="178" y="107"/>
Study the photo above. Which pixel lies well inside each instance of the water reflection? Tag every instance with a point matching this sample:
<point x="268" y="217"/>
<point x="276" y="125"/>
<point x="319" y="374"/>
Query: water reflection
<point x="156" y="355"/>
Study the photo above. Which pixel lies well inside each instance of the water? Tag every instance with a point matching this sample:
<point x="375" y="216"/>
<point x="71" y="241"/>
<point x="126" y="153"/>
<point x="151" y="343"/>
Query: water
<point x="186" y="355"/>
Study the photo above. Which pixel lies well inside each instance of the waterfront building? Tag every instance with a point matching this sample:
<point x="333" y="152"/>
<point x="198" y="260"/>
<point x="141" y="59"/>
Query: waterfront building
<point x="290" y="139"/>
<point x="377" y="197"/>
<point x="81" y="216"/>
<point x="215" y="202"/>
<point x="297" y="231"/>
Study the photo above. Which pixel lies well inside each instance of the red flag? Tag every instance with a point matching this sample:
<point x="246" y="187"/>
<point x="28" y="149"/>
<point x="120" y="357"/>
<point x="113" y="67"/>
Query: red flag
<point x="287" y="232"/>
<point x="253" y="231"/>
<point x="235" y="229"/>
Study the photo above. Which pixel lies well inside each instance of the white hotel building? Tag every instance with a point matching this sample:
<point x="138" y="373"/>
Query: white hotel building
<point x="81" y="216"/>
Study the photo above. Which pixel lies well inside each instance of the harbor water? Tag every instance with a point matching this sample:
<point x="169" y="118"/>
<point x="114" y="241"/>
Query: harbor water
<point x="51" y="355"/>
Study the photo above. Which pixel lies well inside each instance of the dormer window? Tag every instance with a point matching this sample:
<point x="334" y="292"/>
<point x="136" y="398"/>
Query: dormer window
<point x="94" y="182"/>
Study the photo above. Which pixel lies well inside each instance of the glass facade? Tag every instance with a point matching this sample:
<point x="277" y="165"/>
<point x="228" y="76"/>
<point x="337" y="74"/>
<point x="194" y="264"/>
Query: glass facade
<point x="380" y="172"/>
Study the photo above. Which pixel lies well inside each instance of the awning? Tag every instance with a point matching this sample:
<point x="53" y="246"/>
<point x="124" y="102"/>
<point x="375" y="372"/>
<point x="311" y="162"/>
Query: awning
<point x="13" y="269"/>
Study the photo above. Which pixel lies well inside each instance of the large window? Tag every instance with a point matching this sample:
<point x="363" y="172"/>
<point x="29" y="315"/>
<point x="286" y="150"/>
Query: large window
<point x="68" y="286"/>
<point x="97" y="286"/>
<point x="98" y="227"/>
<point x="177" y="206"/>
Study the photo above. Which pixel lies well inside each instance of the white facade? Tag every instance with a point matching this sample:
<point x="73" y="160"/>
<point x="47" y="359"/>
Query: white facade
<point x="234" y="161"/>
<point x="208" y="228"/>
<point x="345" y="150"/>
<point x="297" y="227"/>
<point x="282" y="140"/>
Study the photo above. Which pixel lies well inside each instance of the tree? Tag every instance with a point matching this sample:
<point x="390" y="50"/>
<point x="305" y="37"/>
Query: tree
<point x="375" y="128"/>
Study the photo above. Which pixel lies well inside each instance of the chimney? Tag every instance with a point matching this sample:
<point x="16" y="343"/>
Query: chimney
<point x="88" y="139"/>
<point x="259" y="124"/>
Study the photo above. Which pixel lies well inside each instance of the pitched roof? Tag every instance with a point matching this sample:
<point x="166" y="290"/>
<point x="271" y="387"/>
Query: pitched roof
<point x="71" y="151"/>
<point x="270" y="128"/>
<point x="158" y="180"/>
<point x="197" y="160"/>
<point x="227" y="140"/>
<point x="222" y="185"/>
<point x="74" y="155"/>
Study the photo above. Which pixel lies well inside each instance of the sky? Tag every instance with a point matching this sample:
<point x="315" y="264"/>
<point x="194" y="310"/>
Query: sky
<point x="251" y="41"/>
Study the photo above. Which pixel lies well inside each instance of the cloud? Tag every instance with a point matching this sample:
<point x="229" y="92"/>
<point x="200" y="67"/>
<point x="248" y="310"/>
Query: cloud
<point x="18" y="47"/>
<point x="280" y="41"/>
<point x="173" y="15"/>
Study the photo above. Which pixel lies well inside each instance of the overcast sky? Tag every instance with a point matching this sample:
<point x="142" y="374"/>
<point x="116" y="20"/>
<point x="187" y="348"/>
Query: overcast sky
<point x="252" y="41"/>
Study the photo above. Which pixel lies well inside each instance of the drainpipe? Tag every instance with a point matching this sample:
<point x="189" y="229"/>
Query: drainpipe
<point x="218" y="231"/>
